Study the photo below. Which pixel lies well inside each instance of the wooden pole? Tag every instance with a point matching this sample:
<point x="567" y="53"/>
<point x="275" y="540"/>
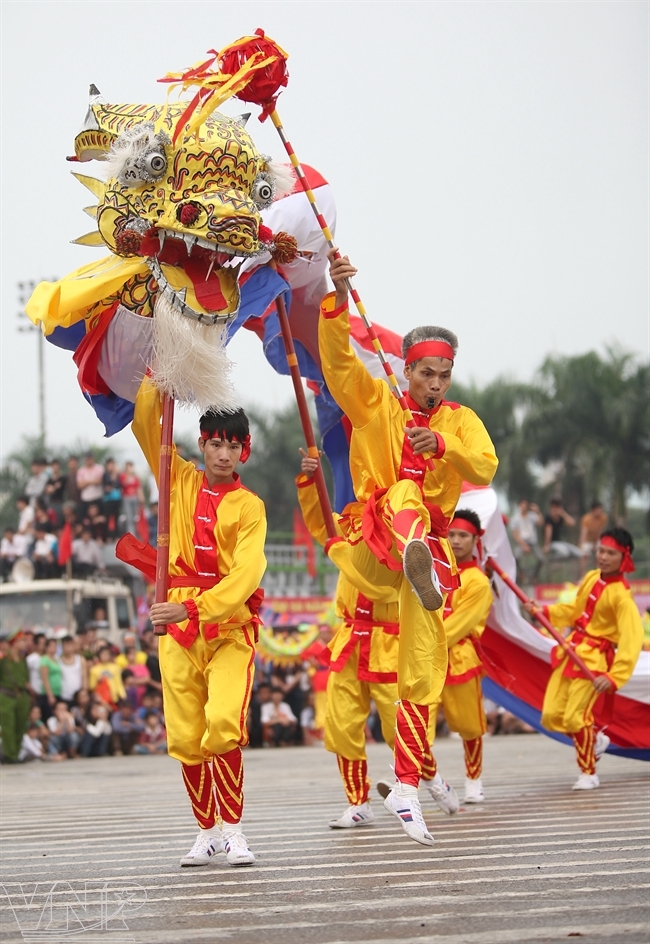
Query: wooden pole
<point x="305" y="418"/>
<point x="164" y="482"/>
<point x="356" y="298"/>
<point x="546" y="623"/>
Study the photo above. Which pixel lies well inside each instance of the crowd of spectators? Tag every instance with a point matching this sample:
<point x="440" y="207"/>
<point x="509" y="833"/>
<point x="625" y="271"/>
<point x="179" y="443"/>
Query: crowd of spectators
<point x="98" y="502"/>
<point x="90" y="699"/>
<point x="528" y="523"/>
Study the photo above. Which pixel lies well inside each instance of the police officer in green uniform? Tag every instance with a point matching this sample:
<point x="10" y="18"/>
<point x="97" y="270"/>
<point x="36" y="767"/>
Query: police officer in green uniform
<point x="14" y="698"/>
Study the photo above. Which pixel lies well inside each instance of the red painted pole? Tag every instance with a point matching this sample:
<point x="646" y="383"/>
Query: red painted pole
<point x="546" y="623"/>
<point x="164" y="487"/>
<point x="305" y="418"/>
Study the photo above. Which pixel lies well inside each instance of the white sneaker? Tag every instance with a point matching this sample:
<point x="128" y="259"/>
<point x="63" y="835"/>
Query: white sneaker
<point x="474" y="791"/>
<point x="235" y="846"/>
<point x="403" y="802"/>
<point x="586" y="782"/>
<point x="601" y="744"/>
<point x="360" y="815"/>
<point x="443" y="794"/>
<point x="384" y="787"/>
<point x="205" y="846"/>
<point x="419" y="571"/>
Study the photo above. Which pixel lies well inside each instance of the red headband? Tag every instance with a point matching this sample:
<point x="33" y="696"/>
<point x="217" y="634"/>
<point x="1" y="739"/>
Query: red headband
<point x="627" y="564"/>
<point x="464" y="524"/>
<point x="429" y="349"/>
<point x="245" y="445"/>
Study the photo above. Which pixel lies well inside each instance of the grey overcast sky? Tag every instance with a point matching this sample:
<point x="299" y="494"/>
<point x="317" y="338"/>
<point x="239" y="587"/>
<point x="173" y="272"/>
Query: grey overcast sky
<point x="489" y="162"/>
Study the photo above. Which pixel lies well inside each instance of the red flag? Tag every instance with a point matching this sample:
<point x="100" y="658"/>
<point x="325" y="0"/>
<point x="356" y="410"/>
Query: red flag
<point x="65" y="545"/>
<point x="142" y="525"/>
<point x="303" y="538"/>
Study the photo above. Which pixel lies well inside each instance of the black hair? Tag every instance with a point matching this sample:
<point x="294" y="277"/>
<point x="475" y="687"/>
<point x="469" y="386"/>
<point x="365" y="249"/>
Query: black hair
<point x="228" y="425"/>
<point x="621" y="536"/>
<point x="152" y="714"/>
<point x="23" y="498"/>
<point x="555" y="501"/>
<point x="104" y="649"/>
<point x="275" y="689"/>
<point x="469" y="516"/>
<point x="67" y="639"/>
<point x="596" y="504"/>
<point x="124" y="703"/>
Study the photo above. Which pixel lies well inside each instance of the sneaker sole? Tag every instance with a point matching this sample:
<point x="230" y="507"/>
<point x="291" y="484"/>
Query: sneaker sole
<point x="444" y="806"/>
<point x="471" y="800"/>
<point x="241" y="864"/>
<point x="417" y="570"/>
<point x="421" y="839"/>
<point x="193" y="864"/>
<point x="383" y="788"/>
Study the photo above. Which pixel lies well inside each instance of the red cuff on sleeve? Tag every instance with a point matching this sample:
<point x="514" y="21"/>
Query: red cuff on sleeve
<point x="335" y="312"/>
<point x="303" y="480"/>
<point x="330" y="542"/>
<point x="441" y="447"/>
<point x="192" y="609"/>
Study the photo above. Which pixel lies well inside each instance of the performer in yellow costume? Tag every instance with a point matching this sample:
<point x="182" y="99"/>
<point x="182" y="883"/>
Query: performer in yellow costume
<point x="364" y="656"/>
<point x="398" y="526"/>
<point x="606" y="632"/>
<point x="217" y="561"/>
<point x="465" y="614"/>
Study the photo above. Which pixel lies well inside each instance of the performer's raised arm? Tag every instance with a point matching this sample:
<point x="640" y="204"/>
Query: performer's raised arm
<point x="356" y="392"/>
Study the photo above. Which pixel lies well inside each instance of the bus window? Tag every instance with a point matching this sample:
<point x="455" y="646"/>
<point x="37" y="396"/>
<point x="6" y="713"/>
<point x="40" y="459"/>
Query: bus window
<point x="123" y="620"/>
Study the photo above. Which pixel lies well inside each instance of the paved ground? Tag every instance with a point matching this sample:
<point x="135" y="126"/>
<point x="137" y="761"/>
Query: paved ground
<point x="537" y="863"/>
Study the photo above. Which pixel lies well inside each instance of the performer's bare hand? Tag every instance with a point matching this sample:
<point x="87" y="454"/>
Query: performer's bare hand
<point x="161" y="614"/>
<point x="340" y="271"/>
<point x="422" y="439"/>
<point x="531" y="608"/>
<point x="308" y="465"/>
<point x="602" y="684"/>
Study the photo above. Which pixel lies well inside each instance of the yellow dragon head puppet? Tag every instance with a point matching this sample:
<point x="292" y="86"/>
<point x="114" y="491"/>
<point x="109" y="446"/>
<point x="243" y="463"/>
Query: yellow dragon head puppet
<point x="179" y="208"/>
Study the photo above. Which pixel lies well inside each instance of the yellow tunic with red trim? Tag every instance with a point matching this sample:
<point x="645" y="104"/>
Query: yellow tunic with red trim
<point x="370" y="614"/>
<point x="606" y="628"/>
<point x="380" y="452"/>
<point x="216" y="533"/>
<point x="465" y="615"/>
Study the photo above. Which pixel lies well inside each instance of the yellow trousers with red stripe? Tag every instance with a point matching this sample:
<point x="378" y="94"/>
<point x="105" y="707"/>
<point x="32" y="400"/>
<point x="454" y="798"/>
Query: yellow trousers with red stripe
<point x="207" y="690"/>
<point x="568" y="703"/>
<point x="422" y="660"/>
<point x="348" y="706"/>
<point x="463" y="708"/>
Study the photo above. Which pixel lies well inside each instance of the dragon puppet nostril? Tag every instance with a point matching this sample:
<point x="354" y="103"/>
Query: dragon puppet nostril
<point x="188" y="213"/>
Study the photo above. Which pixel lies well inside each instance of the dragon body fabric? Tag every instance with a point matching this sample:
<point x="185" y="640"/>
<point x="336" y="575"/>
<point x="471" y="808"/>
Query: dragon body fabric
<point x="179" y="210"/>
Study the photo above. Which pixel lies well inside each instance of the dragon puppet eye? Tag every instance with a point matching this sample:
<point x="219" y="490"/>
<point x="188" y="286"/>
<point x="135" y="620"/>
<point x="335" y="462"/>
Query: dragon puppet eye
<point x="262" y="192"/>
<point x="155" y="163"/>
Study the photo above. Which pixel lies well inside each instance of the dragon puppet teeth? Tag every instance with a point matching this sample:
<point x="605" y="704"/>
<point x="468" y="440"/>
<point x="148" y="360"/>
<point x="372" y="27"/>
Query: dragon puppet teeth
<point x="178" y="299"/>
<point x="189" y="242"/>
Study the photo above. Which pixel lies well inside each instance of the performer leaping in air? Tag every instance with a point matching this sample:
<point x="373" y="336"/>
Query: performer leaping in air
<point x="607" y="632"/>
<point x="398" y="526"/>
<point x="363" y="667"/>
<point x="217" y="561"/>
